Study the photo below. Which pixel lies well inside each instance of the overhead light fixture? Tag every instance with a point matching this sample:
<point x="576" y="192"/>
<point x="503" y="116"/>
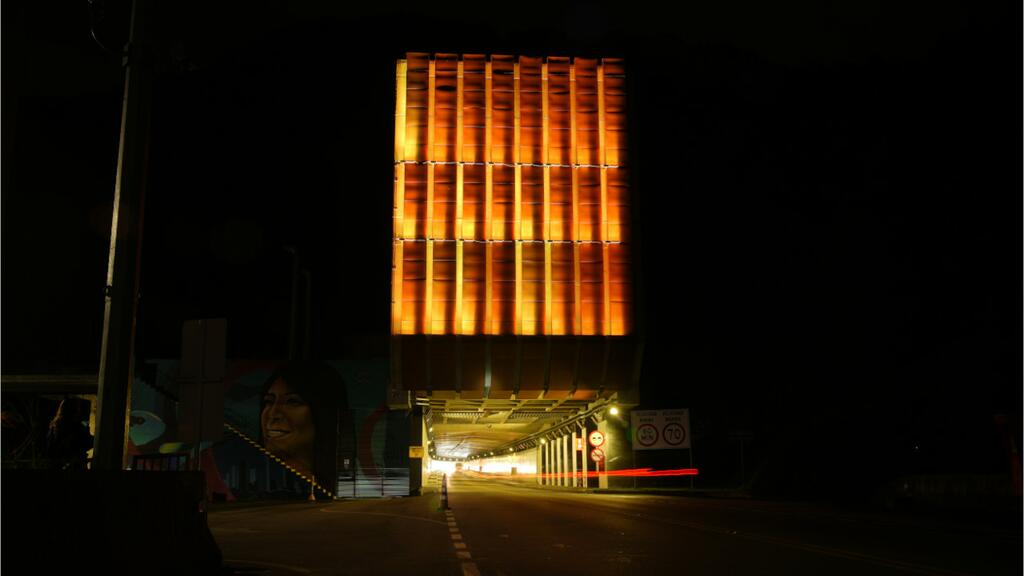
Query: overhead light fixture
<point x="614" y="410"/>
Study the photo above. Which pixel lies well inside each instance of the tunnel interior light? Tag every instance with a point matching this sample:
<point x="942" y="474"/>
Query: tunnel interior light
<point x="614" y="410"/>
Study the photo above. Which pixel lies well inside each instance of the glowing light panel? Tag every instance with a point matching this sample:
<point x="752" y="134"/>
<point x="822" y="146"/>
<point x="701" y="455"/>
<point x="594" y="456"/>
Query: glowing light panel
<point x="511" y="204"/>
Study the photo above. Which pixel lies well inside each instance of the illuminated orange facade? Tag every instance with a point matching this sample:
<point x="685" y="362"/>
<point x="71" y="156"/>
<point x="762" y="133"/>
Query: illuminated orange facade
<point x="511" y="211"/>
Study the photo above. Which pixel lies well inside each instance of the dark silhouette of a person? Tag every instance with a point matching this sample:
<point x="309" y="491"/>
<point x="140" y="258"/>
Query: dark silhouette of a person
<point x="67" y="439"/>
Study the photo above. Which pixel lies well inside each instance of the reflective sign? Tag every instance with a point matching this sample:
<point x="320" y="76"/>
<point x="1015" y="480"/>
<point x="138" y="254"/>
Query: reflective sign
<point x="660" y="429"/>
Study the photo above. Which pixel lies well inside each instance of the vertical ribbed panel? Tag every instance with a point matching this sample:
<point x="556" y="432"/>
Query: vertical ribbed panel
<point x="511" y="204"/>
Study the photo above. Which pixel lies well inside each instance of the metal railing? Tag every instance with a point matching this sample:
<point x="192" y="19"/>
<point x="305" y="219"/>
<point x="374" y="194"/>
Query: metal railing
<point x="160" y="462"/>
<point x="381" y="483"/>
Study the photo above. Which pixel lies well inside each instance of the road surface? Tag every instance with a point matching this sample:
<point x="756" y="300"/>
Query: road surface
<point x="505" y="529"/>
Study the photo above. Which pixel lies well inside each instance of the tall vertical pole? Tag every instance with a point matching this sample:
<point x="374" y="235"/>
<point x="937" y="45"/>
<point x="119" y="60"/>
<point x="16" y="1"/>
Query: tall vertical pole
<point x="117" y="347"/>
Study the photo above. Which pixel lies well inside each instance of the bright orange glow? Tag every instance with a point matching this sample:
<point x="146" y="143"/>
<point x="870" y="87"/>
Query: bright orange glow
<point x="511" y="202"/>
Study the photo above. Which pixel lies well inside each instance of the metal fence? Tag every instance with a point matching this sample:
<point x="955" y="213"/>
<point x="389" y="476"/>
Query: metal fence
<point x="160" y="462"/>
<point x="381" y="483"/>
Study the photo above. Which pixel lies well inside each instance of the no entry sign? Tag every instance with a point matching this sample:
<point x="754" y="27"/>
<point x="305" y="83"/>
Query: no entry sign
<point x="660" y="429"/>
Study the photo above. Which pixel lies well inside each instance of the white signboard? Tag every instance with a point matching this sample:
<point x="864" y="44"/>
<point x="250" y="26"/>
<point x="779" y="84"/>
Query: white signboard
<point x="660" y="429"/>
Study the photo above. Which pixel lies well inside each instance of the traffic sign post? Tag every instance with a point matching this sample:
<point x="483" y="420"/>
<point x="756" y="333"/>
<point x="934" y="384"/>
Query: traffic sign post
<point x="662" y="430"/>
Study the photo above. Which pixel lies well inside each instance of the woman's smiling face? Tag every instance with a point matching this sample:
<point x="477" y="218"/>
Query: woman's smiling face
<point x="287" y="424"/>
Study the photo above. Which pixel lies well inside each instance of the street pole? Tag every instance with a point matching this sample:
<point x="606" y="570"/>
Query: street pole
<point x="120" y="307"/>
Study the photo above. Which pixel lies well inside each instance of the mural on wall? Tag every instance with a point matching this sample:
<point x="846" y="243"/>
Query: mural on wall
<point x="289" y="427"/>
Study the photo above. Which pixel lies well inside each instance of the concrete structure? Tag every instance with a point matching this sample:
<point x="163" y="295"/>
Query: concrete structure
<point x="512" y="312"/>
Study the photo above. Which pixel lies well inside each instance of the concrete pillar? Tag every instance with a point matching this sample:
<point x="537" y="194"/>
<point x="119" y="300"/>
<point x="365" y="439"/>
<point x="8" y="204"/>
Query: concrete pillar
<point x="565" y="461"/>
<point x="567" y="442"/>
<point x="547" y="464"/>
<point x="572" y="451"/>
<point x="560" y="467"/>
<point x="538" y="458"/>
<point x="568" y="462"/>
<point x="417" y="437"/>
<point x="553" y="478"/>
<point x="585" y="457"/>
<point x="558" y="461"/>
<point x="605" y="428"/>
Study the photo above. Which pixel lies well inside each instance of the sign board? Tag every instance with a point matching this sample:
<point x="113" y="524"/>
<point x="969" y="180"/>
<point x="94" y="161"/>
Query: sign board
<point x="415" y="451"/>
<point x="596" y="438"/>
<point x="201" y="380"/>
<point x="660" y="429"/>
<point x="579" y="444"/>
<point x="597" y="455"/>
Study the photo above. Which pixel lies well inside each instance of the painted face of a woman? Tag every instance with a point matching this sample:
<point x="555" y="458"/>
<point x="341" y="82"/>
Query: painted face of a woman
<point x="287" y="424"/>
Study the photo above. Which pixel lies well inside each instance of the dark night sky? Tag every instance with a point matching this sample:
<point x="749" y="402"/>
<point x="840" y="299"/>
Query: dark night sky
<point x="827" y="199"/>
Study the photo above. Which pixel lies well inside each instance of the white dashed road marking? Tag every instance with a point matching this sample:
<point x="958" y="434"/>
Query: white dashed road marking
<point x="468" y="568"/>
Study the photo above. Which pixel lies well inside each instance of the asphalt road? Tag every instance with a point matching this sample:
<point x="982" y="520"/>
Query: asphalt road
<point x="504" y="529"/>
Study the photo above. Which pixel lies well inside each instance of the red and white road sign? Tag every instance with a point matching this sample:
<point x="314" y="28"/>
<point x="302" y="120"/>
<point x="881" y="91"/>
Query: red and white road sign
<point x="596" y="438"/>
<point x="674" y="433"/>
<point x="597" y="455"/>
<point x="647" y="435"/>
<point x="660" y="429"/>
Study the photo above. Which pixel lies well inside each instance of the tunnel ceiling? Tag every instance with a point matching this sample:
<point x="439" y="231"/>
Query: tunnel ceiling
<point x="463" y="427"/>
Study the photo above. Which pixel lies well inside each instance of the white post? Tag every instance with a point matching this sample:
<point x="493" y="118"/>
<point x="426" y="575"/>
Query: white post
<point x="548" y="457"/>
<point x="565" y="461"/>
<point x="538" y="462"/>
<point x="586" y="456"/>
<point x="561" y="461"/>
<point x="572" y="452"/>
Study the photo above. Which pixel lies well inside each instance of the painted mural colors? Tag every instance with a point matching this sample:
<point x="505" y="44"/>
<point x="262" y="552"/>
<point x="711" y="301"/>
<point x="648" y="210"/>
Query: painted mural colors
<point x="286" y="427"/>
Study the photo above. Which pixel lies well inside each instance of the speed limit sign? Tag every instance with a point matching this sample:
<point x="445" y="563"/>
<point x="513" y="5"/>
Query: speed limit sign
<point x="660" y="429"/>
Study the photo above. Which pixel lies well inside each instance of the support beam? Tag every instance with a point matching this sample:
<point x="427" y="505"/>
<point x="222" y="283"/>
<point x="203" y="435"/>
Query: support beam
<point x="538" y="463"/>
<point x="397" y="256"/>
<point x="548" y="470"/>
<point x="572" y="458"/>
<point x="585" y="455"/>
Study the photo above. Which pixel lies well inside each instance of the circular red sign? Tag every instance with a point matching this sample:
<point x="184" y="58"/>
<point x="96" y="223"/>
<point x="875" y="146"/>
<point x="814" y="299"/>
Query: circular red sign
<point x="596" y="438"/>
<point x="597" y="455"/>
